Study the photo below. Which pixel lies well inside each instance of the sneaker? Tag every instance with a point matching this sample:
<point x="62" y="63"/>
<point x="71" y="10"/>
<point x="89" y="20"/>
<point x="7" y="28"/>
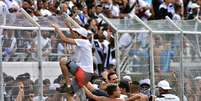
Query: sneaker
<point x="65" y="89"/>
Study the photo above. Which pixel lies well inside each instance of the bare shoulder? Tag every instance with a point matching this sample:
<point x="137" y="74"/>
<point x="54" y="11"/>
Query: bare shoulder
<point x="144" y="97"/>
<point x="102" y="98"/>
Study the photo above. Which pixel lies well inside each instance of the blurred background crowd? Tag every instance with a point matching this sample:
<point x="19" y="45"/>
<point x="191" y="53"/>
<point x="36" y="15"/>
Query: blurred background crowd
<point x="21" y="45"/>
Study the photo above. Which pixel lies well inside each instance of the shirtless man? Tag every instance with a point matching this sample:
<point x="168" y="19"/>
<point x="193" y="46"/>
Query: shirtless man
<point x="113" y="94"/>
<point x="135" y="90"/>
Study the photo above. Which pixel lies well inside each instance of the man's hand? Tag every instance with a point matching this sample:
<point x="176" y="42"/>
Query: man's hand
<point x="56" y="28"/>
<point x="21" y="86"/>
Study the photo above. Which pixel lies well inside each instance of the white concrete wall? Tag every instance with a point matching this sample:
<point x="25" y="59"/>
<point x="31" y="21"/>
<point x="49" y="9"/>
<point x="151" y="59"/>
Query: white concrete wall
<point x="50" y="69"/>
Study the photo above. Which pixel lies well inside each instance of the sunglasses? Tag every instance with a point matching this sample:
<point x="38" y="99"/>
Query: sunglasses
<point x="115" y="79"/>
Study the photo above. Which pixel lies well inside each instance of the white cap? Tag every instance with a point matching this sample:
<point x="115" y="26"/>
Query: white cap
<point x="194" y="5"/>
<point x="145" y="81"/>
<point x="164" y="85"/>
<point x="82" y="31"/>
<point x="127" y="78"/>
<point x="198" y="78"/>
<point x="54" y="86"/>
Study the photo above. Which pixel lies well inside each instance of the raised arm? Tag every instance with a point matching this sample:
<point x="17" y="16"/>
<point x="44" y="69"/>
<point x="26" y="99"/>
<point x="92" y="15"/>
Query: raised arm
<point x="92" y="96"/>
<point x="21" y="92"/>
<point x="133" y="98"/>
<point x="62" y="36"/>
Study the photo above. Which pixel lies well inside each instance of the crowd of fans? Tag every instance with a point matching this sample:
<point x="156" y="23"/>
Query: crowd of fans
<point x="22" y="46"/>
<point x="109" y="87"/>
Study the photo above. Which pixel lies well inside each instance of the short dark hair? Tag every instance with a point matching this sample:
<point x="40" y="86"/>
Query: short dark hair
<point x="135" y="85"/>
<point x="46" y="81"/>
<point x="111" y="88"/>
<point x="108" y="76"/>
<point x="124" y="84"/>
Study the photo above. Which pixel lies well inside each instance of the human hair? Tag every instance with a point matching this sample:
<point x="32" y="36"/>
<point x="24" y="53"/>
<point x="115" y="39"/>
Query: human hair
<point x="125" y="85"/>
<point x="135" y="86"/>
<point x="110" y="89"/>
<point x="110" y="74"/>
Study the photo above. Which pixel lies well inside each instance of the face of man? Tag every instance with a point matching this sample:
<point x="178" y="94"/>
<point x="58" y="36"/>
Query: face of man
<point x="117" y="93"/>
<point x="113" y="79"/>
<point x="76" y="35"/>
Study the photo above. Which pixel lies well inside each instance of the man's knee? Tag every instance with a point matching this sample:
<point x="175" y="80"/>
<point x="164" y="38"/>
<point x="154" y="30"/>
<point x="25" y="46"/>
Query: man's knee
<point x="63" y="60"/>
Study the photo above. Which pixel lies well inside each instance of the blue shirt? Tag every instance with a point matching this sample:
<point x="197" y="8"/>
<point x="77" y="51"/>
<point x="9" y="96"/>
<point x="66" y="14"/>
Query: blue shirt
<point x="165" y="59"/>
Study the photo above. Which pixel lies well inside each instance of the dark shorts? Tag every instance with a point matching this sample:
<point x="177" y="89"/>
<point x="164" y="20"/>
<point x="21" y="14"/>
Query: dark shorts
<point x="81" y="77"/>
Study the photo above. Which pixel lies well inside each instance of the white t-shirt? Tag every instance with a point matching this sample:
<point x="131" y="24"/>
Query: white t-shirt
<point x="45" y="12"/>
<point x="176" y="17"/>
<point x="83" y="55"/>
<point x="3" y="8"/>
<point x="168" y="97"/>
<point x="125" y="40"/>
<point x="12" y="3"/>
<point x="115" y="10"/>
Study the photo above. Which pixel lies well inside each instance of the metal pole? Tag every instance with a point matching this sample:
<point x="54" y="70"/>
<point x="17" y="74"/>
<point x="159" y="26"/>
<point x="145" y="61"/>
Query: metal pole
<point x="1" y="61"/>
<point x="39" y="50"/>
<point x="106" y="20"/>
<point x="181" y="73"/>
<point x="152" y="70"/>
<point x="116" y="45"/>
<point x="1" y="69"/>
<point x="32" y="28"/>
<point x="117" y="55"/>
<point x="197" y="37"/>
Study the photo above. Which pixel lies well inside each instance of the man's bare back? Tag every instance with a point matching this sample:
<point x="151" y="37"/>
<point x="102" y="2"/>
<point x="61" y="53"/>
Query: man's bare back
<point x="139" y="96"/>
<point x="102" y="98"/>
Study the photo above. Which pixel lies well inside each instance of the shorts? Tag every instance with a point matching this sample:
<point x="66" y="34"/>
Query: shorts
<point x="81" y="77"/>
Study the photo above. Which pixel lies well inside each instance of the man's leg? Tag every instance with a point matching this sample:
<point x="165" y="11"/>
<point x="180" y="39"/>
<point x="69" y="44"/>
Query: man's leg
<point x="64" y="68"/>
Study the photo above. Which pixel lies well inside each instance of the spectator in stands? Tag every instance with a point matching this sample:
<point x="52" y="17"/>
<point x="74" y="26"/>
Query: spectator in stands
<point x="9" y="44"/>
<point x="110" y="69"/>
<point x="166" y="57"/>
<point x="23" y="45"/>
<point x="74" y="13"/>
<point x="54" y="44"/>
<point x="27" y="4"/>
<point x="46" y="85"/>
<point x="13" y="6"/>
<point x="80" y="66"/>
<point x="112" y="90"/>
<point x="83" y="16"/>
<point x="188" y="86"/>
<point x="158" y="48"/>
<point x="99" y="10"/>
<point x="3" y="8"/>
<point x="145" y="87"/>
<point x="139" y="57"/>
<point x="93" y="26"/>
<point x="164" y="90"/>
<point x="178" y="12"/>
<point x="30" y="46"/>
<point x="42" y="10"/>
<point x="125" y="40"/>
<point x="127" y="78"/>
<point x="193" y="10"/>
<point x="65" y="9"/>
<point x="143" y="9"/>
<point x="135" y="93"/>
<point x="198" y="88"/>
<point x="21" y="92"/>
<point x="125" y="89"/>
<point x="99" y="54"/>
<point x="45" y="45"/>
<point x="166" y="9"/>
<point x="112" y="78"/>
<point x="115" y="9"/>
